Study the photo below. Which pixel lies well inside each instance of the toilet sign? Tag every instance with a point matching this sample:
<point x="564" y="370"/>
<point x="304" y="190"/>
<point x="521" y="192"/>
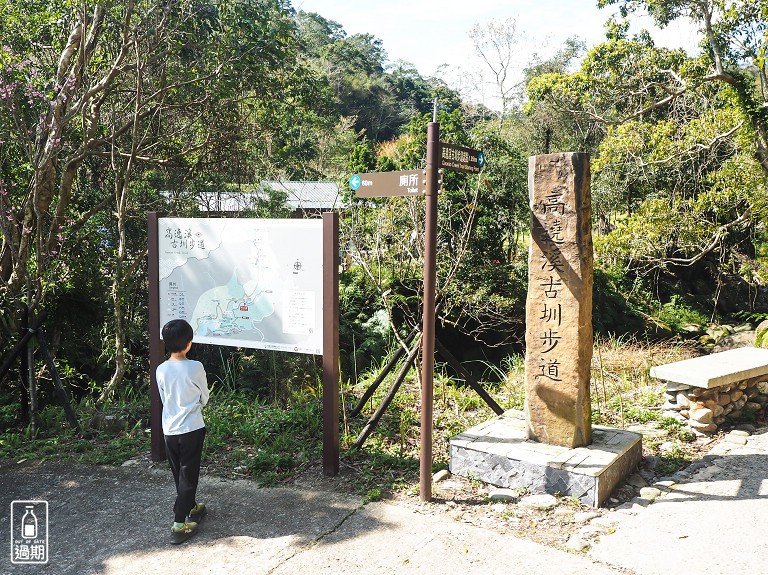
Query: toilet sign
<point x="388" y="184"/>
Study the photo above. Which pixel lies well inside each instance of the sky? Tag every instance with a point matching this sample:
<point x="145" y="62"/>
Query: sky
<point x="432" y="33"/>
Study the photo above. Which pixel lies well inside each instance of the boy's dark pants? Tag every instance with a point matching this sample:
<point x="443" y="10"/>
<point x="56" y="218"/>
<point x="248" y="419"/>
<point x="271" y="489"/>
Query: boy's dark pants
<point x="184" y="454"/>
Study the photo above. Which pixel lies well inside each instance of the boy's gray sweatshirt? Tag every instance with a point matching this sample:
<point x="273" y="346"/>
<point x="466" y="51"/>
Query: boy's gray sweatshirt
<point x="183" y="390"/>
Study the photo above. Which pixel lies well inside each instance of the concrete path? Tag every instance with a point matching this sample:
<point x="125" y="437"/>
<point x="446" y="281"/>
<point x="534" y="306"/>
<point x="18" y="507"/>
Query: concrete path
<point x="114" y="521"/>
<point x="715" y="522"/>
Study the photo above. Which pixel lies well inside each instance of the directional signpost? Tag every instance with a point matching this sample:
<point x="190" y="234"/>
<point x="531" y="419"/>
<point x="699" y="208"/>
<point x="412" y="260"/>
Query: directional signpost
<point x="414" y="183"/>
<point x="461" y="158"/>
<point x="389" y="184"/>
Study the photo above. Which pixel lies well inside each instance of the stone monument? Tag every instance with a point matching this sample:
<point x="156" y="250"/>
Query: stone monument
<point x="559" y="305"/>
<point x="553" y="447"/>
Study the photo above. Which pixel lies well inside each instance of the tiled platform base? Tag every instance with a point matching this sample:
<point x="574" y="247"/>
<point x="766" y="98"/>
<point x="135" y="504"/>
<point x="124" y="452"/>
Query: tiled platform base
<point x="498" y="452"/>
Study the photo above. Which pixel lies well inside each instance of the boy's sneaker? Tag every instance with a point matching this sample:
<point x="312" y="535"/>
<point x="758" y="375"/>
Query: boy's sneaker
<point x="197" y="513"/>
<point x="181" y="534"/>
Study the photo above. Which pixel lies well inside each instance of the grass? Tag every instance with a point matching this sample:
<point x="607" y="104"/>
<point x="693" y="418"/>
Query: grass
<point x="58" y="441"/>
<point x="254" y="438"/>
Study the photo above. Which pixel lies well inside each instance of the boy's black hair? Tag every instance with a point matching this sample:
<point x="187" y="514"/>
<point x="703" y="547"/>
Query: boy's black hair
<point x="177" y="333"/>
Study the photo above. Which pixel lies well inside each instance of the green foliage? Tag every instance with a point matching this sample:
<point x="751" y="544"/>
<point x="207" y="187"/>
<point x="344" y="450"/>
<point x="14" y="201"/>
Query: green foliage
<point x="678" y="314"/>
<point x="260" y="439"/>
<point x="612" y="310"/>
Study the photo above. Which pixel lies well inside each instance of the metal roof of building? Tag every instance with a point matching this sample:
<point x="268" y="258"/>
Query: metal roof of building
<point x="308" y="195"/>
<point x="299" y="196"/>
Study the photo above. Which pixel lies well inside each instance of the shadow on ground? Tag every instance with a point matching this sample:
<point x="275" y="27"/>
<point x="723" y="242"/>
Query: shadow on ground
<point x="105" y="519"/>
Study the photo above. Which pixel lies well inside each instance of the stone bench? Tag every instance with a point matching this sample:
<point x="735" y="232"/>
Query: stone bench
<point x="707" y="391"/>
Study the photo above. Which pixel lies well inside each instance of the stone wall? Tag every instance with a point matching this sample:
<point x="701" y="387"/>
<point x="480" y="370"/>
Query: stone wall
<point x="705" y="410"/>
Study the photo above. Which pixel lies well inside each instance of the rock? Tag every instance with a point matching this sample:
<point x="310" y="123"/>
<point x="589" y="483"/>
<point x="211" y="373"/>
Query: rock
<point x="736" y="439"/>
<point x="742" y="328"/>
<point x="682" y="400"/>
<point x="681" y="476"/>
<point x="441" y="475"/>
<point x="650" y="493"/>
<point x="110" y="423"/>
<point x="667" y="446"/>
<point x="746" y="427"/>
<point x="736" y="395"/>
<point x="628" y="508"/>
<point x="584" y="516"/>
<point x="669" y="406"/>
<point x="762" y="385"/>
<point x="743" y="339"/>
<point x="702" y="427"/>
<point x="761" y="336"/>
<point x="499" y="507"/>
<point x="717" y="332"/>
<point x="702" y="416"/>
<point x="723" y="399"/>
<point x="500" y="495"/>
<point x="752" y="406"/>
<point x="542" y="501"/>
<point x="695" y="466"/>
<point x="608" y="522"/>
<point x="673" y="387"/>
<point x="740" y="432"/>
<point x="634" y="505"/>
<point x="576" y="543"/>
<point x="636" y="481"/>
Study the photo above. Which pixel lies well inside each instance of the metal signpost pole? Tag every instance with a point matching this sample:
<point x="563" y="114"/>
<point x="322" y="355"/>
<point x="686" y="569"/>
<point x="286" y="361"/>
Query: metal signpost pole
<point x="428" y="329"/>
<point x="331" y="343"/>
<point x="156" y="348"/>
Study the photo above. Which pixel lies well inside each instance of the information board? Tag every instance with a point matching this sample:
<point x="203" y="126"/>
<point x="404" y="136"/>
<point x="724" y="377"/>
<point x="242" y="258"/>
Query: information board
<point x="253" y="283"/>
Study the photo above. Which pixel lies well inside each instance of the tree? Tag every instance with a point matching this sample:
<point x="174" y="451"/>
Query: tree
<point x="736" y="40"/>
<point x="496" y="44"/>
<point x="667" y="128"/>
<point x="94" y="93"/>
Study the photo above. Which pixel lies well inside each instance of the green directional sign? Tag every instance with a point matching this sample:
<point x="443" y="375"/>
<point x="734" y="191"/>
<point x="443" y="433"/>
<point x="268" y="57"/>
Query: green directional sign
<point x="387" y="184"/>
<point x="461" y="158"/>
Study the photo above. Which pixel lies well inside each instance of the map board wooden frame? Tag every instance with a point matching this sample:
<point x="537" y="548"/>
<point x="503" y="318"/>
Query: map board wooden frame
<point x="328" y="240"/>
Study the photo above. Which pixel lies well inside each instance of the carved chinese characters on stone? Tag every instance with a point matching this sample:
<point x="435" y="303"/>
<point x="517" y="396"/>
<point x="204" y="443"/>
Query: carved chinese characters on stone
<point x="559" y="304"/>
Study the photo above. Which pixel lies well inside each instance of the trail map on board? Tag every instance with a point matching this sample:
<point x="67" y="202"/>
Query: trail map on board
<point x="244" y="282"/>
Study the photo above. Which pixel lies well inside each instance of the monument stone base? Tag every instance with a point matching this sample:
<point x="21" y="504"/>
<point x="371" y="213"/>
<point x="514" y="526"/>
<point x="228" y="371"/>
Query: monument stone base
<point x="498" y="452"/>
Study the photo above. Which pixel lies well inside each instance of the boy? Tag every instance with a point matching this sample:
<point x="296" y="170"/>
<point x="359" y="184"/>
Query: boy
<point x="183" y="390"/>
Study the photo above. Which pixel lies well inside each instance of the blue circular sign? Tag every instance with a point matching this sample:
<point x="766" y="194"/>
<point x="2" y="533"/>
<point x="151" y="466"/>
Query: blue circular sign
<point x="354" y="182"/>
<point x="480" y="159"/>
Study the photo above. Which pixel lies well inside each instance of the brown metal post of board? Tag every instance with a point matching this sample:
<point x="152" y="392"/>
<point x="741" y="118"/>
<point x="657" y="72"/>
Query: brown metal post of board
<point x="156" y="348"/>
<point x="330" y="343"/>
<point x="428" y="329"/>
